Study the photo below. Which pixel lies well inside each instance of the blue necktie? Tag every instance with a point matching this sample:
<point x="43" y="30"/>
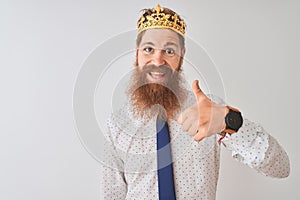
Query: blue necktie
<point x="164" y="162"/>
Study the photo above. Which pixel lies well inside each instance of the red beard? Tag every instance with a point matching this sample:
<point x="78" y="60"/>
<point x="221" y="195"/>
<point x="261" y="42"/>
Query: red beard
<point x="164" y="98"/>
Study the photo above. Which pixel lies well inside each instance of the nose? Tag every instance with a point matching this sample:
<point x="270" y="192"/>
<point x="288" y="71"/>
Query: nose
<point x="158" y="58"/>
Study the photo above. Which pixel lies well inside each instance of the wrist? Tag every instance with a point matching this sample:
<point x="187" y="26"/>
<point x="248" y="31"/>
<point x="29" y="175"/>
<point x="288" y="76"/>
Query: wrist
<point x="226" y="111"/>
<point x="233" y="120"/>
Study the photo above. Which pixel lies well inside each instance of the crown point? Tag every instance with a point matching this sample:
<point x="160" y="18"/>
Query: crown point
<point x="158" y="8"/>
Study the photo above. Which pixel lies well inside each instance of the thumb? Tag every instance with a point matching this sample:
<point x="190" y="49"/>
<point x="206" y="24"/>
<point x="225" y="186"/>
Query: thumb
<point x="196" y="90"/>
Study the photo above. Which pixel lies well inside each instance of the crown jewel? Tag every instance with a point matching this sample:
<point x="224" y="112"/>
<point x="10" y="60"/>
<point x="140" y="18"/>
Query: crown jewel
<point x="158" y="18"/>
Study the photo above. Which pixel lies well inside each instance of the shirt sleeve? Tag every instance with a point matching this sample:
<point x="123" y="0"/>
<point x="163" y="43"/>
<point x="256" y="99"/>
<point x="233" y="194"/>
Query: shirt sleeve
<point x="253" y="146"/>
<point x="113" y="182"/>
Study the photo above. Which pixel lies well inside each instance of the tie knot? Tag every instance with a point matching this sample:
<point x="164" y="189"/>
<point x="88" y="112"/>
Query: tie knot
<point x="160" y="124"/>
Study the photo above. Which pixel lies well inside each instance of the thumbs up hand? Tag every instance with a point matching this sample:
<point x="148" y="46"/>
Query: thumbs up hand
<point x="203" y="119"/>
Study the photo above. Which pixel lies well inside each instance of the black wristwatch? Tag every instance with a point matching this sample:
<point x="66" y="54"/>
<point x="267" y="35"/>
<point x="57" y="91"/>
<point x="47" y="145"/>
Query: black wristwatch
<point x="233" y="120"/>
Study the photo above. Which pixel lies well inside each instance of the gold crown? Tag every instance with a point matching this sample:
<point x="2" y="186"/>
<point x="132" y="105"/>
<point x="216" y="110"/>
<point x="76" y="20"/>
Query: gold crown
<point x="157" y="18"/>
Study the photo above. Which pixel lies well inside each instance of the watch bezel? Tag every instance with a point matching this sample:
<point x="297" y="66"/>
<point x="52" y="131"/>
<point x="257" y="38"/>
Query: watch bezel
<point x="233" y="119"/>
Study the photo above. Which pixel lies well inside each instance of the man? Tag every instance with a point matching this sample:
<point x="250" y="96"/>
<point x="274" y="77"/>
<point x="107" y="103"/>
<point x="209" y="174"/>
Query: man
<point x="163" y="143"/>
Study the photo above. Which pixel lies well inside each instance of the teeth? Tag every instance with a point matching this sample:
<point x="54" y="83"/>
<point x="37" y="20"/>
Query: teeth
<point x="156" y="76"/>
<point x="157" y="73"/>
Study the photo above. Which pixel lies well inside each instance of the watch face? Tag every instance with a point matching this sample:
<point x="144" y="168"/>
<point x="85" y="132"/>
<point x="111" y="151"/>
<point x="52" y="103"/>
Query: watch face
<point x="233" y="120"/>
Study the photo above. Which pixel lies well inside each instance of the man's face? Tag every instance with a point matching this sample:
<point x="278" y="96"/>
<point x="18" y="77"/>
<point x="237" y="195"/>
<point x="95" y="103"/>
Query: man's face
<point x="160" y="48"/>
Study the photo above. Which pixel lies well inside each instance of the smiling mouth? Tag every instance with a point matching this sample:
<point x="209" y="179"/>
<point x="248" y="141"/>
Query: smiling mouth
<point x="156" y="77"/>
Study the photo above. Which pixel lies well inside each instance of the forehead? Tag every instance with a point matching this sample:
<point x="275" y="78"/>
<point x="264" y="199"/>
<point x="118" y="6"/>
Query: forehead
<point x="160" y="37"/>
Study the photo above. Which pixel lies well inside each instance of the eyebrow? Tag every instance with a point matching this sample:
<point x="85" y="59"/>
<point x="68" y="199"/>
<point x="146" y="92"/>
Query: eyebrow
<point x="167" y="44"/>
<point x="149" y="43"/>
<point x="171" y="43"/>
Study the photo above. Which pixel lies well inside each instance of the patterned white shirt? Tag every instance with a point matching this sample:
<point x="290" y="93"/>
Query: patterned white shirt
<point x="130" y="170"/>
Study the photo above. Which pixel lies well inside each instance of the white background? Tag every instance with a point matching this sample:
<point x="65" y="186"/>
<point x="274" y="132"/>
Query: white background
<point x="254" y="44"/>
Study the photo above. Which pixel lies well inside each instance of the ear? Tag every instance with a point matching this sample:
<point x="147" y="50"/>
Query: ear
<point x="136" y="57"/>
<point x="183" y="52"/>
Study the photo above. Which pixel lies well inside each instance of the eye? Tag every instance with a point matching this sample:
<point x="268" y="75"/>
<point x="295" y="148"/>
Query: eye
<point x="148" y="49"/>
<point x="170" y="51"/>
